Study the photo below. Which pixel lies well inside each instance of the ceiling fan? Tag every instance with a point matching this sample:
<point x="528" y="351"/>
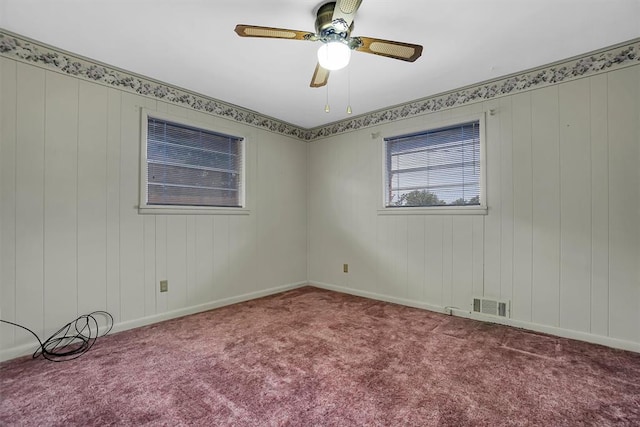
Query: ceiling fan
<point x="334" y="23"/>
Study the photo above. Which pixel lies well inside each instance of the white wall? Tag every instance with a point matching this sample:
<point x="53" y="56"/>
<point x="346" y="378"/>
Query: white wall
<point x="72" y="240"/>
<point x="562" y="236"/>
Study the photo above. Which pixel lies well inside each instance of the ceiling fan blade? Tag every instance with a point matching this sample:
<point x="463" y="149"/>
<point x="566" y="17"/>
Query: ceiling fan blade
<point x="320" y="77"/>
<point x="273" y="33"/>
<point x="397" y="50"/>
<point x="346" y="9"/>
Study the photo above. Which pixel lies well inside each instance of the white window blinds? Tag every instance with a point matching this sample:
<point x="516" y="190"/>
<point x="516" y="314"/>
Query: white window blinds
<point x="439" y="167"/>
<point x="188" y="166"/>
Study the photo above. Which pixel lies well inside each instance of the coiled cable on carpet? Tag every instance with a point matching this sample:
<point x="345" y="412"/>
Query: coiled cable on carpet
<point x="73" y="339"/>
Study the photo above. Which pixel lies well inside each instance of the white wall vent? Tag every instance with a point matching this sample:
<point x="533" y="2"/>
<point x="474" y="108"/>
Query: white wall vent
<point x="491" y="307"/>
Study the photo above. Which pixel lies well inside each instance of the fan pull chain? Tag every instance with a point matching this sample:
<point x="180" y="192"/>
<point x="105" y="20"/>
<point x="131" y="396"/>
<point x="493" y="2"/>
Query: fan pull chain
<point x="326" y="106"/>
<point x="348" y="89"/>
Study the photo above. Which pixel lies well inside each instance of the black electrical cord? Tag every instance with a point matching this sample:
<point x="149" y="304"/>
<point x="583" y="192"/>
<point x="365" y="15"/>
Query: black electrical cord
<point x="67" y="344"/>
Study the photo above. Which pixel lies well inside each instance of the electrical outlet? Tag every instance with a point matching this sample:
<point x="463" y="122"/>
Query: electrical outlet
<point x="164" y="285"/>
<point x="345" y="268"/>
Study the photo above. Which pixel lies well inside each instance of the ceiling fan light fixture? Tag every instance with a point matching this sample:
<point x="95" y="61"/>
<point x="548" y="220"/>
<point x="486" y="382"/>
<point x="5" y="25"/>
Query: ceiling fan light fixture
<point x="334" y="55"/>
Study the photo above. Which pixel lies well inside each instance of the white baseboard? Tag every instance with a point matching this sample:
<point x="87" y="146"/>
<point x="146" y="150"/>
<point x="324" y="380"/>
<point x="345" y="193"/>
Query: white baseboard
<point x="379" y="297"/>
<point x="136" y="323"/>
<point x="552" y="330"/>
<point x="25" y="349"/>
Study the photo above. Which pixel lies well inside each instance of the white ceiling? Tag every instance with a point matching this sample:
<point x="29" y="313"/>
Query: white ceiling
<point x="191" y="44"/>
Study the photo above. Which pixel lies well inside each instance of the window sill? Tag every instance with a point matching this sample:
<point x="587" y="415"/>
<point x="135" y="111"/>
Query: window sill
<point x="191" y="210"/>
<point x="459" y="210"/>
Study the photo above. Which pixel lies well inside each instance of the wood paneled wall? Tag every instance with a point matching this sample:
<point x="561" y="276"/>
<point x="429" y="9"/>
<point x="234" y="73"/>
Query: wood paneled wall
<point x="562" y="236"/>
<point x="561" y="239"/>
<point x="72" y="240"/>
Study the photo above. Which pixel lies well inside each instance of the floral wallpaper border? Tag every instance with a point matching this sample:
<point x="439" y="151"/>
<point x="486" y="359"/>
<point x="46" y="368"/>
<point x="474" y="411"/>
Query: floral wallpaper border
<point x="590" y="64"/>
<point x="16" y="47"/>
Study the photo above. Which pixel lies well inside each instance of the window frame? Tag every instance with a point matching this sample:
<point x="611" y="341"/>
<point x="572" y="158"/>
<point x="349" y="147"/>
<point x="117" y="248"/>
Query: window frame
<point x="481" y="209"/>
<point x="145" y="208"/>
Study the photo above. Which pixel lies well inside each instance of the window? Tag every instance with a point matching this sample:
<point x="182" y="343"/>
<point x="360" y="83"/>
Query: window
<point x="189" y="167"/>
<point x="437" y="169"/>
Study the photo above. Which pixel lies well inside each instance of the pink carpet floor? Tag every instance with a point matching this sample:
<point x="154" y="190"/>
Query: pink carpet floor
<point x="310" y="357"/>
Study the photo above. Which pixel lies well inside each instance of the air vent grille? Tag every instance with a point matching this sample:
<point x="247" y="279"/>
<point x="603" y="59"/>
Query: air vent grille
<point x="491" y="307"/>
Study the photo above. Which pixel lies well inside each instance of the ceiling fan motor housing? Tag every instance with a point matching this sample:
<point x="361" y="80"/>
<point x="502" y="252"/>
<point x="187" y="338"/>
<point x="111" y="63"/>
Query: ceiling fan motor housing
<point x="327" y="28"/>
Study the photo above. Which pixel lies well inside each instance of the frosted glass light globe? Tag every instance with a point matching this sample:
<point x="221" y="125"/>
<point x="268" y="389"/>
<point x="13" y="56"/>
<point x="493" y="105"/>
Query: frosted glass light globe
<point x="334" y="55"/>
